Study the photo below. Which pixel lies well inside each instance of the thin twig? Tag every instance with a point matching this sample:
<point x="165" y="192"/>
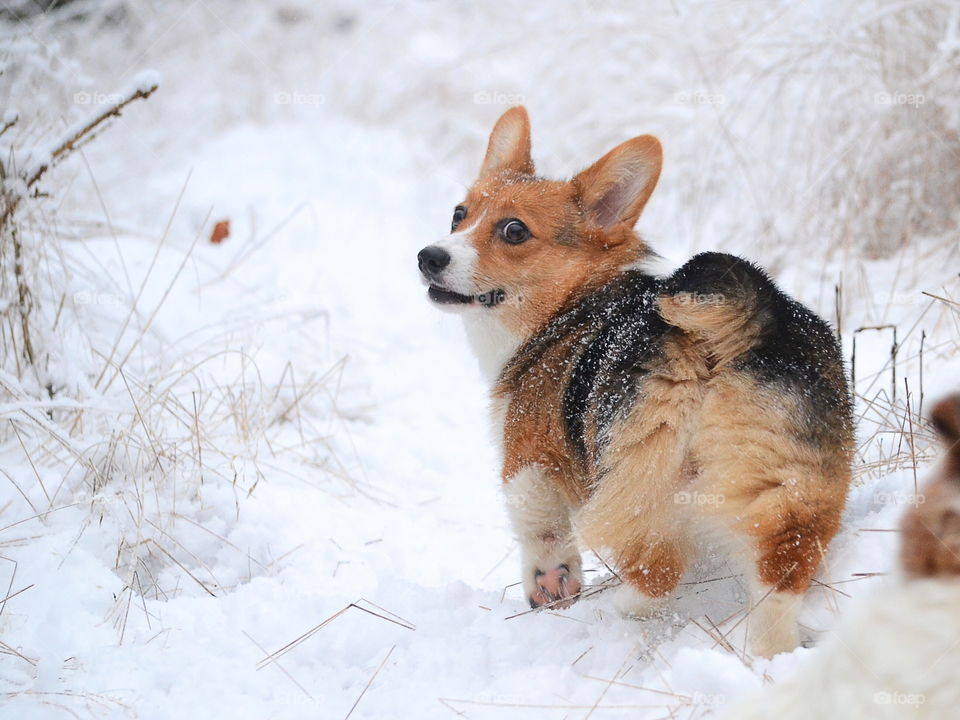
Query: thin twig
<point x="369" y="683"/>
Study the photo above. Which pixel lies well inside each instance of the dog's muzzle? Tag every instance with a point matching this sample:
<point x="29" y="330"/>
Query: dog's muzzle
<point x="432" y="261"/>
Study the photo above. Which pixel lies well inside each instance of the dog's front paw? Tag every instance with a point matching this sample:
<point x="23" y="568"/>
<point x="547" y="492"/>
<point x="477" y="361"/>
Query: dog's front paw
<point x="556" y="588"/>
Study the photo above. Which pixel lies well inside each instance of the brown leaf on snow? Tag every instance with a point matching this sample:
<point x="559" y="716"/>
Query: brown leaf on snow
<point x="221" y="231"/>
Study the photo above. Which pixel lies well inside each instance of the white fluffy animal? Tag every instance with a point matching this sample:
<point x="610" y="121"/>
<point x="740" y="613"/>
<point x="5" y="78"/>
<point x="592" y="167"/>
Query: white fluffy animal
<point x="898" y="654"/>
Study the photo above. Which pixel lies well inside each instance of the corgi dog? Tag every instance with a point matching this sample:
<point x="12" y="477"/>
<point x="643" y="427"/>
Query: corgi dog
<point x="894" y="655"/>
<point x="636" y="411"/>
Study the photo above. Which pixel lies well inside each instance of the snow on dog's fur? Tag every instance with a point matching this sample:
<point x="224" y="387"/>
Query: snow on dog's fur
<point x="897" y="654"/>
<point x="623" y="398"/>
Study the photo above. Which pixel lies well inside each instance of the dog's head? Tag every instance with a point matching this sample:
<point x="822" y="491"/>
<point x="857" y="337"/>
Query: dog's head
<point x="931" y="530"/>
<point x="520" y="246"/>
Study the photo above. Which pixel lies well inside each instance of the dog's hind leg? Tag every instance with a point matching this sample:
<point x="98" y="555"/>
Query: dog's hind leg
<point x="550" y="559"/>
<point x="634" y="513"/>
<point x="783" y="494"/>
<point x="789" y="538"/>
<point x="632" y="521"/>
<point x="650" y="571"/>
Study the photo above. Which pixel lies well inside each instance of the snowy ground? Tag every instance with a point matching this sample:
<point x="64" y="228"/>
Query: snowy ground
<point x="296" y="432"/>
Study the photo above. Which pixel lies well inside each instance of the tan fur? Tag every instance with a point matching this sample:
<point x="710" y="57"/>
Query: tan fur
<point x="787" y="495"/>
<point x="533" y="431"/>
<point x="724" y="329"/>
<point x="509" y="146"/>
<point x="756" y="478"/>
<point x="931" y="530"/>
<point x="649" y="450"/>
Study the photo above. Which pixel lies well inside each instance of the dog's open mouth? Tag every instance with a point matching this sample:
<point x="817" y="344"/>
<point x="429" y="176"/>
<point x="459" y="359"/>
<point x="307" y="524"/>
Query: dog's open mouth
<point x="441" y="295"/>
<point x="448" y="297"/>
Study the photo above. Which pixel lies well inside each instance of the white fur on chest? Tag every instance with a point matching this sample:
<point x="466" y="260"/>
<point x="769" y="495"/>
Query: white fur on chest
<point x="492" y="343"/>
<point x="498" y="421"/>
<point x="493" y="346"/>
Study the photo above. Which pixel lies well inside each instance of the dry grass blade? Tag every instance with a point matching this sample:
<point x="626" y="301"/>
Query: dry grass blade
<point x="180" y="565"/>
<point x="830" y="586"/>
<point x="551" y="706"/>
<point x="20" y="490"/>
<point x="272" y="657"/>
<point x="633" y="686"/>
<point x="101" y="700"/>
<point x="13" y="595"/>
<point x="369" y="683"/>
<point x="279" y="666"/>
<point x="16" y="653"/>
<point x="942" y="299"/>
<point x="33" y="466"/>
<point x="13" y="575"/>
<point x="9" y="124"/>
<point x="585" y="592"/>
<point x="156" y="309"/>
<point x="396" y="620"/>
<point x="446" y="704"/>
<point x="143" y="284"/>
<point x="714" y="634"/>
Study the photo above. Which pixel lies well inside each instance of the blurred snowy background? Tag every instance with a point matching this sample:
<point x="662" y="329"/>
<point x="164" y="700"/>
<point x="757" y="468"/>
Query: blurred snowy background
<point x="208" y="450"/>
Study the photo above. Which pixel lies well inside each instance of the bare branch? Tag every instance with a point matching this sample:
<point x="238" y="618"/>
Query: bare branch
<point x="73" y="139"/>
<point x="8" y="122"/>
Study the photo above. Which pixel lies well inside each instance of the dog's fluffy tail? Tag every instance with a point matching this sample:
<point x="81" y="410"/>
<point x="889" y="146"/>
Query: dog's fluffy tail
<point x="723" y="302"/>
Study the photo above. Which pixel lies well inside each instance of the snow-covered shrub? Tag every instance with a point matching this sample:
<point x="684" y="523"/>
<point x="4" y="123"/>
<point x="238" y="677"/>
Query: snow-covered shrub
<point x="146" y="437"/>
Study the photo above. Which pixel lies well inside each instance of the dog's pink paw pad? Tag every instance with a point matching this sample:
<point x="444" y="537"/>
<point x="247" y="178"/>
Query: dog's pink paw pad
<point x="556" y="588"/>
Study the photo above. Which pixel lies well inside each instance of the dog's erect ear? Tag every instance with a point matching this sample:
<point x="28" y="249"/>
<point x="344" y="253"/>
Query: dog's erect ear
<point x="945" y="417"/>
<point x="616" y="187"/>
<point x="509" y="146"/>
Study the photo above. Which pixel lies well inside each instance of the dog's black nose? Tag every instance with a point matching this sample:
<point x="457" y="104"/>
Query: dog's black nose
<point x="432" y="260"/>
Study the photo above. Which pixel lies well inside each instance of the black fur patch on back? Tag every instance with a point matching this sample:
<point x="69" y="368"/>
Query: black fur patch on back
<point x="802" y="354"/>
<point x="627" y="335"/>
<point x="796" y="349"/>
<point x="618" y="331"/>
<point x="618" y="336"/>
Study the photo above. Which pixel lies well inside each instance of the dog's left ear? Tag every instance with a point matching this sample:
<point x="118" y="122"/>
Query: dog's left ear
<point x="615" y="188"/>
<point x="509" y="146"/>
<point x="946" y="419"/>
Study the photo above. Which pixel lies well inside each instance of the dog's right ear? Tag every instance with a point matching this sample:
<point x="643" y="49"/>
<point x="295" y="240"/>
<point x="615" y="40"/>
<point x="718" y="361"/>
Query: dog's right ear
<point x="945" y="417"/>
<point x="509" y="146"/>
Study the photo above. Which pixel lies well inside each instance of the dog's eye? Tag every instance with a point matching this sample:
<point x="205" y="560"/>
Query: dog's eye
<point x="459" y="213"/>
<point x="514" y="232"/>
